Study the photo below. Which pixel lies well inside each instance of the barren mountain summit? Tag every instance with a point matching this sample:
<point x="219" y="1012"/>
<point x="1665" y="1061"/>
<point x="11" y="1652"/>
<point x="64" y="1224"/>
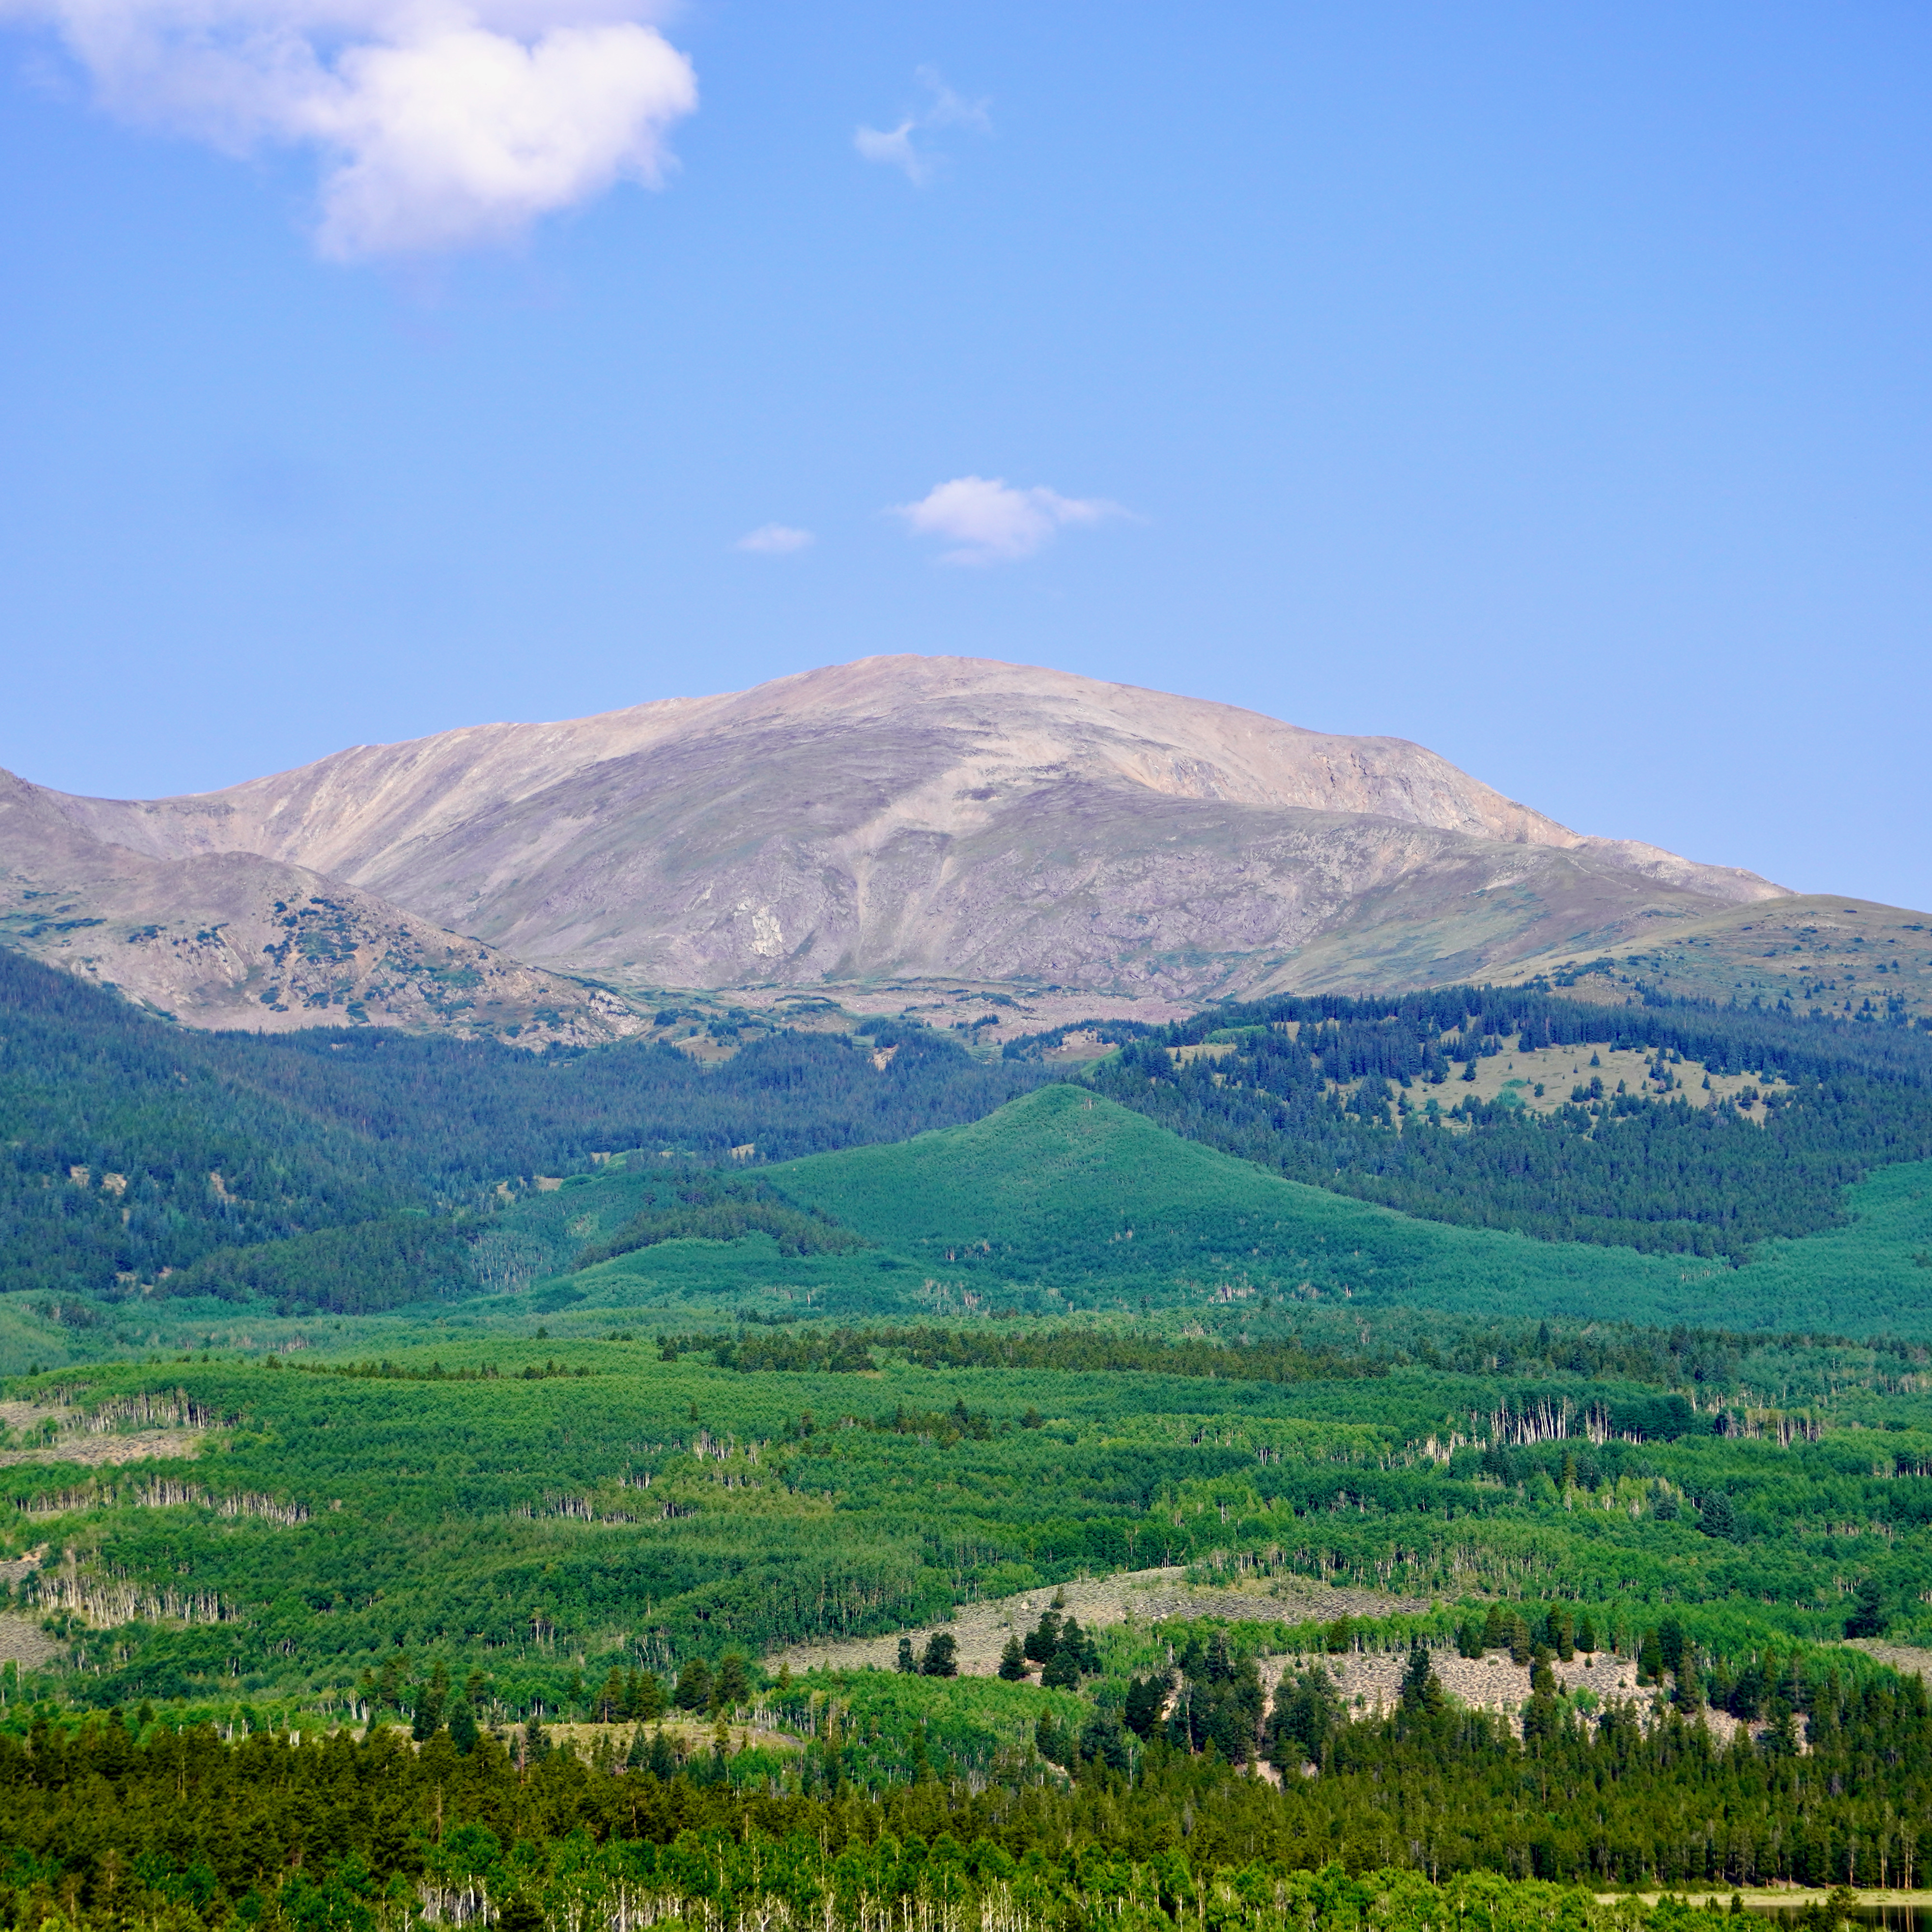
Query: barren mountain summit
<point x="910" y="816"/>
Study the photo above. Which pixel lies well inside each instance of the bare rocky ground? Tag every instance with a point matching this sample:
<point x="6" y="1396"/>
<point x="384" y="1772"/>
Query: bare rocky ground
<point x="1371" y="1682"/>
<point x="101" y="1452"/>
<point x="1146" y="1596"/>
<point x="76" y="1438"/>
<point x="23" y="1642"/>
<point x="1907" y="1659"/>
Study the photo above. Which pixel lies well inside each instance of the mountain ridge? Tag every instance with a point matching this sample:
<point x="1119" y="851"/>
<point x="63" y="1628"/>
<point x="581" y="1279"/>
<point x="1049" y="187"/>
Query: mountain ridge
<point x="914" y="817"/>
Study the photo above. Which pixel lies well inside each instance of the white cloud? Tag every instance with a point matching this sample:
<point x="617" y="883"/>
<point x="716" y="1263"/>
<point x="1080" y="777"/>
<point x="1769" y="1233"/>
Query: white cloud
<point x="442" y="124"/>
<point x="991" y="522"/>
<point x="776" y="540"/>
<point x="896" y="148"/>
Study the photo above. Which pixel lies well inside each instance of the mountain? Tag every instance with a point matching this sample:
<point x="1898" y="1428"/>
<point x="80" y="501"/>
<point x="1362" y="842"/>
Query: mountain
<point x="897" y="817"/>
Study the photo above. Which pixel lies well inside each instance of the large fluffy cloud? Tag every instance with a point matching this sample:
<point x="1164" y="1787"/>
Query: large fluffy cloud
<point x="442" y="124"/>
<point x="990" y="521"/>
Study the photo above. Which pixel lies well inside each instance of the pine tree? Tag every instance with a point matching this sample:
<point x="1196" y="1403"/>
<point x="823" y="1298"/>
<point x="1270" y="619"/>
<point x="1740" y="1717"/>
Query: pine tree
<point x="1649" y="1659"/>
<point x="1422" y="1694"/>
<point x="1520" y="1645"/>
<point x="1717" y="1518"/>
<point x="611" y="1700"/>
<point x="521" y="1913"/>
<point x="694" y="1685"/>
<point x="732" y="1688"/>
<point x="1012" y="1662"/>
<point x="1062" y="1672"/>
<point x="1561" y="1639"/>
<point x="1145" y="1698"/>
<point x="1868" y="1619"/>
<point x="462" y="1731"/>
<point x="1670" y="1644"/>
<point x="1043" y="1639"/>
<point x="430" y="1701"/>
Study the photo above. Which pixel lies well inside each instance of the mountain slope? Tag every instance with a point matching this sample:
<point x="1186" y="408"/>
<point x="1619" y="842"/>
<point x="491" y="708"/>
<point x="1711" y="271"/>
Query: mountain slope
<point x="231" y="939"/>
<point x="912" y="816"/>
<point x="1817" y="954"/>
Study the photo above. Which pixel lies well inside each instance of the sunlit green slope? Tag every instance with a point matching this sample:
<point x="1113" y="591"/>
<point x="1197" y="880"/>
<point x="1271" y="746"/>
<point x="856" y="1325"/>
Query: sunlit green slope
<point x="1063" y="1190"/>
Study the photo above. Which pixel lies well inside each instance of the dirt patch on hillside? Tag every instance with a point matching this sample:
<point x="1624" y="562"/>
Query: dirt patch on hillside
<point x="23" y="1642"/>
<point x="1371" y="1684"/>
<point x="1146" y="1596"/>
<point x="1908" y="1660"/>
<point x="98" y="1452"/>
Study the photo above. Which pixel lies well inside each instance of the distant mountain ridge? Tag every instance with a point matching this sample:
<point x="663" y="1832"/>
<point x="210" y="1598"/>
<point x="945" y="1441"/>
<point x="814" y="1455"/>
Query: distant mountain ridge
<point x="897" y="817"/>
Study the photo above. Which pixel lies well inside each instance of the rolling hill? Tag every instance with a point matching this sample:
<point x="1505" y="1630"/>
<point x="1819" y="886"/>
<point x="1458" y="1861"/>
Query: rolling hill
<point x="1062" y="1202"/>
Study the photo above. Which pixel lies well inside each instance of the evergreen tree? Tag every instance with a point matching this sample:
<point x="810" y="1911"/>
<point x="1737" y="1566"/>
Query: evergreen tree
<point x="1520" y="1645"/>
<point x="694" y="1685"/>
<point x="611" y="1700"/>
<point x="521" y="1913"/>
<point x="431" y="1698"/>
<point x="1422" y="1694"/>
<point x="1670" y="1644"/>
<point x="1146" y="1698"/>
<point x="731" y="1689"/>
<point x="1868" y="1619"/>
<point x="1043" y="1639"/>
<point x="1561" y="1637"/>
<point x="463" y="1731"/>
<point x="1650" y="1659"/>
<point x="1062" y="1670"/>
<point x="942" y="1656"/>
<point x="1012" y="1662"/>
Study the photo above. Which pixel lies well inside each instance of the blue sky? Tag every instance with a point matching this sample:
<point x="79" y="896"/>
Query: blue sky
<point x="1546" y="385"/>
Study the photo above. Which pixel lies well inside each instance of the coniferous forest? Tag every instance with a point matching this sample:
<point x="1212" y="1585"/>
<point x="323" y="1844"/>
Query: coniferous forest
<point x="1237" y="1479"/>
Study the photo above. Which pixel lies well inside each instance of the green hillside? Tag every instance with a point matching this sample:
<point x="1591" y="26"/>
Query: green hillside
<point x="1063" y="1202"/>
<point x="139" y="1161"/>
<point x="1062" y="1199"/>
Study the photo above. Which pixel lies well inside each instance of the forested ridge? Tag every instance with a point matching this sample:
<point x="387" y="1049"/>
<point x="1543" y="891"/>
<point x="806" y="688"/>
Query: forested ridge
<point x="135" y="1155"/>
<point x="1360" y="1097"/>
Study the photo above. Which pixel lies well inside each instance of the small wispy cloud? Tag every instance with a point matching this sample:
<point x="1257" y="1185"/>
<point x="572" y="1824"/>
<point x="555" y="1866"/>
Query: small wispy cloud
<point x="775" y="540"/>
<point x="898" y="148"/>
<point x="441" y="124"/>
<point x="990" y="521"/>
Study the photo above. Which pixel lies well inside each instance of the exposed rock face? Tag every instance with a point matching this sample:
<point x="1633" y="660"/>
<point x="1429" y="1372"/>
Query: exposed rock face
<point x="230" y="939"/>
<point x="950" y="816"/>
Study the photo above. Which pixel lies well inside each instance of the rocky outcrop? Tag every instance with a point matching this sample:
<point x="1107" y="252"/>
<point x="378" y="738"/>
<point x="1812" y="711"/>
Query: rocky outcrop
<point x="231" y="939"/>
